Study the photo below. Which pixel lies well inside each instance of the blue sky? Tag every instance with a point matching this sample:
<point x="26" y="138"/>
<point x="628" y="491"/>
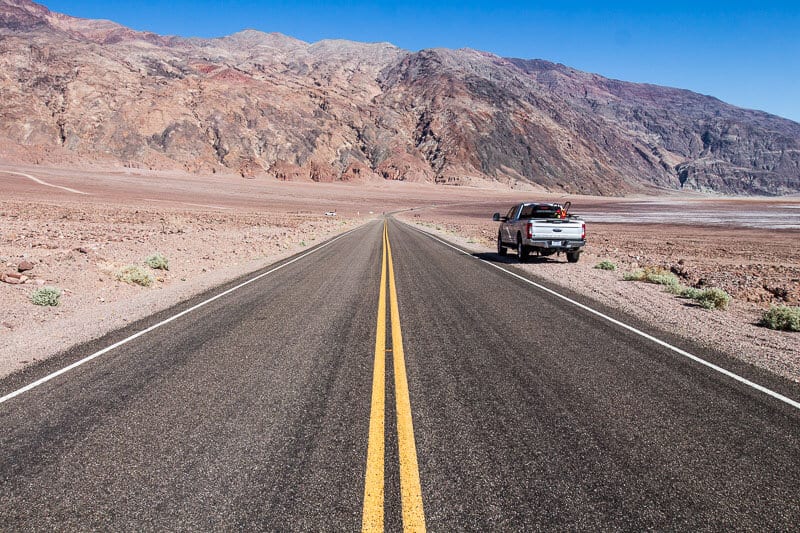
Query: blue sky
<point x="745" y="53"/>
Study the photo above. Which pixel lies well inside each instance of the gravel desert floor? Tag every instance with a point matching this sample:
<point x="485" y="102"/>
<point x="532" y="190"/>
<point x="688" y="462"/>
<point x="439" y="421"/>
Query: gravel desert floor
<point x="79" y="229"/>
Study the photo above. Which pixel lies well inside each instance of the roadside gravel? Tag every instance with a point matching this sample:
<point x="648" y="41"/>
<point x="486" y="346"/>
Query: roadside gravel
<point x="80" y="250"/>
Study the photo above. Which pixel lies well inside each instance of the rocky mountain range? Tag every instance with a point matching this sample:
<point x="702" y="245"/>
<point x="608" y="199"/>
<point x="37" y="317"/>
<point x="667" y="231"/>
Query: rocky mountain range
<point x="90" y="92"/>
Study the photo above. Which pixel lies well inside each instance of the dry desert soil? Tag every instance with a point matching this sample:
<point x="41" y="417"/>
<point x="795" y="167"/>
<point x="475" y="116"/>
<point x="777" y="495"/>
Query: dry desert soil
<point x="79" y="228"/>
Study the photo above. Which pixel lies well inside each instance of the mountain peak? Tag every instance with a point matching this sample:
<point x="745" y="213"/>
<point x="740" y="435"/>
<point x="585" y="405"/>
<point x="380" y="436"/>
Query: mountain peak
<point x="256" y="38"/>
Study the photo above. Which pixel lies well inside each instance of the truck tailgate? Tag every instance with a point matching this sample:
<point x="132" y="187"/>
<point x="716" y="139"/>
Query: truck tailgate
<point x="557" y="229"/>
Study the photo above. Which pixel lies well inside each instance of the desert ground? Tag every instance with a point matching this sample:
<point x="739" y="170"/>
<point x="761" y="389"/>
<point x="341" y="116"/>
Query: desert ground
<point x="79" y="228"/>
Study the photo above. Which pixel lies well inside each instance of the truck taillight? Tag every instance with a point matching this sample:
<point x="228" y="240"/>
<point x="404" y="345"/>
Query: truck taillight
<point x="530" y="230"/>
<point x="583" y="231"/>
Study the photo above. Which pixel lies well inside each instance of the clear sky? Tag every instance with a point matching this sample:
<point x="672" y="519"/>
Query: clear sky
<point x="745" y="53"/>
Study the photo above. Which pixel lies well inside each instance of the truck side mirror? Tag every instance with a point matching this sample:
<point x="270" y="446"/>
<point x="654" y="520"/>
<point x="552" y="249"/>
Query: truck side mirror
<point x="496" y="217"/>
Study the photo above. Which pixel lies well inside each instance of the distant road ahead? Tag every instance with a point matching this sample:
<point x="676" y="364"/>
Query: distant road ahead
<point x="391" y="383"/>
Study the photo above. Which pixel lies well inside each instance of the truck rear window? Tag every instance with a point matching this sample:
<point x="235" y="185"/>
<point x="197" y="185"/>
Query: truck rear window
<point x="539" y="211"/>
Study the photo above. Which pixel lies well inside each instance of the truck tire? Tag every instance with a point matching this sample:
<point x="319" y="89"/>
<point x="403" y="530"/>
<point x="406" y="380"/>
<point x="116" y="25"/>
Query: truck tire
<point x="522" y="250"/>
<point x="573" y="257"/>
<point x="501" y="250"/>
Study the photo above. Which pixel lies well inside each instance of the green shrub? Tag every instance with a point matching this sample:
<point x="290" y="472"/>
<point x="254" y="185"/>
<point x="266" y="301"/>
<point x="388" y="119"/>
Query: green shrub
<point x="690" y="292"/>
<point x="135" y="275"/>
<point x="782" y="317"/>
<point x="676" y="289"/>
<point x="157" y="261"/>
<point x="656" y="275"/>
<point x="636" y="275"/>
<point x="713" y="298"/>
<point x="606" y="265"/>
<point x="47" y="296"/>
<point x="669" y="280"/>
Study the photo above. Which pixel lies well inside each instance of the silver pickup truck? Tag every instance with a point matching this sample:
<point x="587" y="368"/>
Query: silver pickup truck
<point x="541" y="228"/>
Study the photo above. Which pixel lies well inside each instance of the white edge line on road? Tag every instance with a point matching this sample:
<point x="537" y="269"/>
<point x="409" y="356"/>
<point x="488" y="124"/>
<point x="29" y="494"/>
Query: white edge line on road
<point x="632" y="329"/>
<point x="107" y="349"/>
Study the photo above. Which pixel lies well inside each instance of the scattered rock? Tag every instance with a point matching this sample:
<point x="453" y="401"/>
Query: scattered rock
<point x="6" y="278"/>
<point x="780" y="292"/>
<point x="24" y="266"/>
<point x="681" y="270"/>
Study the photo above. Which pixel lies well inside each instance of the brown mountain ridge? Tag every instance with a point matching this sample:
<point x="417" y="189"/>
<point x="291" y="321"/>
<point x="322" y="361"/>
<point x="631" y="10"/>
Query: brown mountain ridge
<point x="78" y="91"/>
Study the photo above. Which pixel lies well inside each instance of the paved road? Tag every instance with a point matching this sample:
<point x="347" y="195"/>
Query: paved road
<point x="258" y="410"/>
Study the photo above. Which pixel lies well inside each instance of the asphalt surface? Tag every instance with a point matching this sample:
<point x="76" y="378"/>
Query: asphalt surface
<point x="253" y="413"/>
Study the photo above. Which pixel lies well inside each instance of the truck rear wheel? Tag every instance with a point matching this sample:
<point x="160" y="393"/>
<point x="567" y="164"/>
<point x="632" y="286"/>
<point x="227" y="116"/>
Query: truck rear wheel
<point x="573" y="257"/>
<point x="522" y="250"/>
<point x="501" y="250"/>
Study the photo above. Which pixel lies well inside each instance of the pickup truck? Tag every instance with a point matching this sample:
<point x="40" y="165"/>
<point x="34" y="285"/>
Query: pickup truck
<point x="541" y="228"/>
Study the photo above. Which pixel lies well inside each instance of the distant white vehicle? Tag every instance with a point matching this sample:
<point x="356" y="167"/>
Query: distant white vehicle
<point x="330" y="213"/>
<point x="541" y="228"/>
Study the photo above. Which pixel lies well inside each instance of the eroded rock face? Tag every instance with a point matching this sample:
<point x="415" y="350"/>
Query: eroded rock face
<point x="256" y="104"/>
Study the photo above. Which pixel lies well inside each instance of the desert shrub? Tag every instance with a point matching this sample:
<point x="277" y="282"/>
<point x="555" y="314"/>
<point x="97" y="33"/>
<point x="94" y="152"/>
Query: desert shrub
<point x="690" y="292"/>
<point x="47" y="296"/>
<point x="656" y="275"/>
<point x="606" y="265"/>
<point x="675" y="288"/>
<point x="782" y="317"/>
<point x="669" y="280"/>
<point x="712" y="298"/>
<point x="157" y="261"/>
<point x="135" y="275"/>
<point x="636" y="275"/>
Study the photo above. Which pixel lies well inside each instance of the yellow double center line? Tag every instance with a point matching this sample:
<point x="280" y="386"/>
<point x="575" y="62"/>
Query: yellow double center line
<point x="410" y="489"/>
